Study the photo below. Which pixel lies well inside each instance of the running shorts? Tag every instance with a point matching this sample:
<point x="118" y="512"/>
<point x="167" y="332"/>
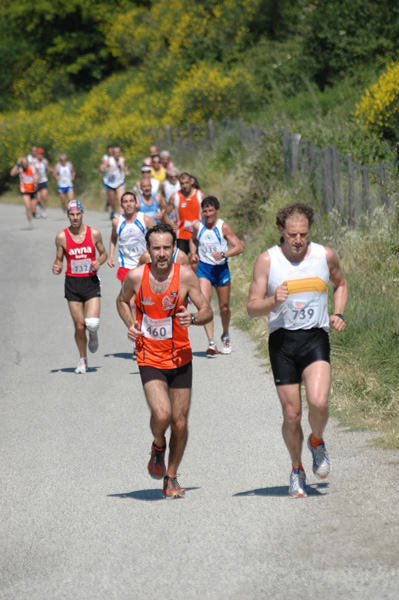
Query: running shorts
<point x="123" y="184"/>
<point x="42" y="186"/>
<point x="32" y="195"/>
<point x="65" y="190"/>
<point x="292" y="351"/>
<point x="184" y="246"/>
<point x="121" y="273"/>
<point x="81" y="289"/>
<point x="218" y="275"/>
<point x="179" y="378"/>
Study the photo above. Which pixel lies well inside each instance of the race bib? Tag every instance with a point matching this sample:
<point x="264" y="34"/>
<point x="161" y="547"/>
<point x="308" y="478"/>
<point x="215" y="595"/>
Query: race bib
<point x="81" y="266"/>
<point x="157" y="329"/>
<point x="189" y="225"/>
<point x="302" y="312"/>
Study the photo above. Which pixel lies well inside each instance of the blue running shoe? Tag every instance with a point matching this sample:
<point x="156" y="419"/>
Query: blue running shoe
<point x="321" y="464"/>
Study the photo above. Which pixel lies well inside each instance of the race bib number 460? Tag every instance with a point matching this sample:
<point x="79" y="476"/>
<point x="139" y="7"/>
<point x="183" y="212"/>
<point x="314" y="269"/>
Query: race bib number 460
<point x="157" y="329"/>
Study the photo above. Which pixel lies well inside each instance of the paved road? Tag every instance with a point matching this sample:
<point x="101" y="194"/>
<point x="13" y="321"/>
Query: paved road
<point x="82" y="520"/>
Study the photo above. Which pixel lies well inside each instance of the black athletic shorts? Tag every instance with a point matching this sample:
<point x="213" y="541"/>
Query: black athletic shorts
<point x="81" y="289"/>
<point x="42" y="186"/>
<point x="184" y="246"/>
<point x="292" y="351"/>
<point x="32" y="195"/>
<point x="182" y="377"/>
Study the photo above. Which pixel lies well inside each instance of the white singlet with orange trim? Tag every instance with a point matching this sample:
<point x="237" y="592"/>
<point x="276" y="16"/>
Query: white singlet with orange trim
<point x="307" y="303"/>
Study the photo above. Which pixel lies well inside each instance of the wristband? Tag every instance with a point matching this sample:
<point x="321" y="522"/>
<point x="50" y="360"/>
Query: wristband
<point x="340" y="316"/>
<point x="17" y="165"/>
<point x="223" y="254"/>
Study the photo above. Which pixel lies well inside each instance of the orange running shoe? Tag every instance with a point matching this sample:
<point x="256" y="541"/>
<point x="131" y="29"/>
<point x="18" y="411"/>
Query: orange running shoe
<point x="171" y="488"/>
<point x="156" y="466"/>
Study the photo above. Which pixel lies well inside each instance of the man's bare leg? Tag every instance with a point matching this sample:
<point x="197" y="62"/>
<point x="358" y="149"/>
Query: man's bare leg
<point x="290" y="398"/>
<point x="180" y="398"/>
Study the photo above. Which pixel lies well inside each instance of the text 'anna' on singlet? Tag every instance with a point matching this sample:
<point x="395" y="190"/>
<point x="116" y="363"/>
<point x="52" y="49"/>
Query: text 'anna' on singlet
<point x="79" y="256"/>
<point x="164" y="343"/>
<point x="307" y="303"/>
<point x="211" y="240"/>
<point x="131" y="241"/>
<point x="188" y="212"/>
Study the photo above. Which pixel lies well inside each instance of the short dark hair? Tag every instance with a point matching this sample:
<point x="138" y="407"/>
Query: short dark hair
<point x="160" y="228"/>
<point x="129" y="194"/>
<point x="210" y="201"/>
<point x="184" y="175"/>
<point x="297" y="208"/>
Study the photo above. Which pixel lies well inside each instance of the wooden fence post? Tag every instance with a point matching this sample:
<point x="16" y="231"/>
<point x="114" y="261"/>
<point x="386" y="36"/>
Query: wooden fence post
<point x="351" y="192"/>
<point x="327" y="180"/>
<point x="295" y="139"/>
<point x="335" y="179"/>
<point x="366" y="190"/>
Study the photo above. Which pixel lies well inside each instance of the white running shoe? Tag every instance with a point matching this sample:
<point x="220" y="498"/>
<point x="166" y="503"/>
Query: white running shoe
<point x="93" y="341"/>
<point x="297" y="484"/>
<point x="321" y="464"/>
<point x="226" y="345"/>
<point x="44" y="216"/>
<point x="82" y="366"/>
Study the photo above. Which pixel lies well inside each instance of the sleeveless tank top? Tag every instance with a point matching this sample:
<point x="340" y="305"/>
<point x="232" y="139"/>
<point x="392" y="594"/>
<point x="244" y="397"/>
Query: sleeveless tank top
<point x="307" y="303"/>
<point x="79" y="256"/>
<point x="188" y="211"/>
<point x="150" y="210"/>
<point x="131" y="241"/>
<point x="211" y="240"/>
<point x="114" y="176"/>
<point x="170" y="188"/>
<point x="27" y="179"/>
<point x="65" y="175"/>
<point x="42" y="168"/>
<point x="164" y="343"/>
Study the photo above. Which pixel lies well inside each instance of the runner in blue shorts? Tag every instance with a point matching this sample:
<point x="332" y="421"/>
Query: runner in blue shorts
<point x="209" y="251"/>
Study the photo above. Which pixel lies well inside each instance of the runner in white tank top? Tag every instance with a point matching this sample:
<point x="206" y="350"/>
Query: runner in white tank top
<point x="290" y="286"/>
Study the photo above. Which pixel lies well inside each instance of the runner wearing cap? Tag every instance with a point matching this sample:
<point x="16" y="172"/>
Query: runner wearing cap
<point x="146" y="174"/>
<point x="78" y="243"/>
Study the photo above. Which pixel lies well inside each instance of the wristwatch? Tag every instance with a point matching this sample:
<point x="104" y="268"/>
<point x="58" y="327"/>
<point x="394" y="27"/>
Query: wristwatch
<point x="223" y="254"/>
<point x="193" y="319"/>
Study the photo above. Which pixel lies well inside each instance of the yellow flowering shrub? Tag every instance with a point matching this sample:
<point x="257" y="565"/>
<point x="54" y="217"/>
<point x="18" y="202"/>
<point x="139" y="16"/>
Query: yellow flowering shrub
<point x="378" y="109"/>
<point x="208" y="93"/>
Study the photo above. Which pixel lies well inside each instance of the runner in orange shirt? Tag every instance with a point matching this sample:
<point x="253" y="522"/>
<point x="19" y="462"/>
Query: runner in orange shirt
<point x="29" y="177"/>
<point x="164" y="355"/>
<point x="186" y="205"/>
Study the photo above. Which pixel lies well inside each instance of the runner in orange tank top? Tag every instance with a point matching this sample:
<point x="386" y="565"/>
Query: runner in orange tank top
<point x="164" y="352"/>
<point x="29" y="177"/>
<point x="186" y="205"/>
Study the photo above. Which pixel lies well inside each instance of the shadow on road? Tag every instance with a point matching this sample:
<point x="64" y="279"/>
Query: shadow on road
<point x="315" y="489"/>
<point x="120" y="355"/>
<point x="72" y="370"/>
<point x="146" y="495"/>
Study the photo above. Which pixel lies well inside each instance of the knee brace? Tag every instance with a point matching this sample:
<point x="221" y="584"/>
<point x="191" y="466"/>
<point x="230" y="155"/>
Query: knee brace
<point x="92" y="324"/>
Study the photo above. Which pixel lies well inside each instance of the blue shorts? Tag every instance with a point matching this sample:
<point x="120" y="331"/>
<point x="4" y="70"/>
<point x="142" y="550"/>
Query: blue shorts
<point x="65" y="190"/>
<point x="218" y="275"/>
<point x="105" y="185"/>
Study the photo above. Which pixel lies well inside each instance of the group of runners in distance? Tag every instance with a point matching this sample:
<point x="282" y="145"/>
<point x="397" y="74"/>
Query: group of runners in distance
<point x="33" y="171"/>
<point x="173" y="249"/>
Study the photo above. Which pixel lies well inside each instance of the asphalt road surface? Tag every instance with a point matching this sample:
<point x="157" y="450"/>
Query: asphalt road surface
<point x="82" y="519"/>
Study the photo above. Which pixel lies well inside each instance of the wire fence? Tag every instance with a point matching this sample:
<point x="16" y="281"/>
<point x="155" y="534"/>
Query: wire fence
<point x="331" y="178"/>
